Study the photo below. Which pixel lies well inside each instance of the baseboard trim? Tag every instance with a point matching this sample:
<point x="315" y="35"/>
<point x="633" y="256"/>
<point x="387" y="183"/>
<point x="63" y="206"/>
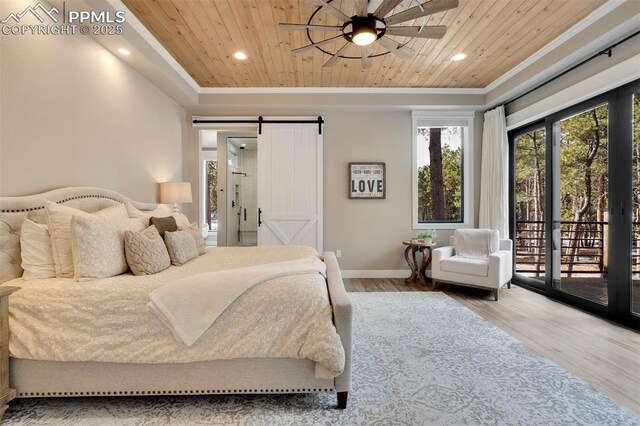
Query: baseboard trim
<point x="376" y="273"/>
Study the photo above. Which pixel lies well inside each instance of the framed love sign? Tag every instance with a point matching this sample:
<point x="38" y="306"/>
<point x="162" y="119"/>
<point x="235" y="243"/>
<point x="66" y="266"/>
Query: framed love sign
<point x="367" y="180"/>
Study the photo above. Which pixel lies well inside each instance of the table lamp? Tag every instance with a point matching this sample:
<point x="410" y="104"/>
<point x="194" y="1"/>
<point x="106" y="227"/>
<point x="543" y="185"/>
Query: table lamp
<point x="175" y="192"/>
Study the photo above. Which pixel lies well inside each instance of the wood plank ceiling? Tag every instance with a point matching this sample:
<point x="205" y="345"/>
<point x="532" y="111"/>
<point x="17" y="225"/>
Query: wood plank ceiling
<point x="495" y="34"/>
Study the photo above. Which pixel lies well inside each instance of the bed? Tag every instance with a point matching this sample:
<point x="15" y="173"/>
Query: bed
<point x="70" y="338"/>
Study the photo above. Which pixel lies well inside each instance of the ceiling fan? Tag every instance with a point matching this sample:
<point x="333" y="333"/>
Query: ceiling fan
<point x="365" y="28"/>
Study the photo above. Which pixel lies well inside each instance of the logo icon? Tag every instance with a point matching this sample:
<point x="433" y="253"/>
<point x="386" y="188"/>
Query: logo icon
<point x="34" y="11"/>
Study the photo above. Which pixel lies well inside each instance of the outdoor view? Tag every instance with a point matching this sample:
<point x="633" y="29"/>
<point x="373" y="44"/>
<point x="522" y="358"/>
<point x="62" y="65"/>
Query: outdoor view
<point x="582" y="204"/>
<point x="439" y="177"/>
<point x="530" y="189"/>
<point x="212" y="195"/>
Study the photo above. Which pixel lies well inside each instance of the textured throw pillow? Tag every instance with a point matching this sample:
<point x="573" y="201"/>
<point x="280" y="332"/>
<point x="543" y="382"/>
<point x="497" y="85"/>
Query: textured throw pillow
<point x="181" y="220"/>
<point x="35" y="251"/>
<point x="58" y="219"/>
<point x="164" y="224"/>
<point x="146" y="252"/>
<point x="98" y="245"/>
<point x="197" y="236"/>
<point x="181" y="246"/>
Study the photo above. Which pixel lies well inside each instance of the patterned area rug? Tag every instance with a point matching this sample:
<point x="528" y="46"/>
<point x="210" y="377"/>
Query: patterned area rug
<point x="420" y="358"/>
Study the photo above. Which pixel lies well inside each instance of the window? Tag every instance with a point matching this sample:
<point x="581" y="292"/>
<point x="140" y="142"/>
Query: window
<point x="441" y="191"/>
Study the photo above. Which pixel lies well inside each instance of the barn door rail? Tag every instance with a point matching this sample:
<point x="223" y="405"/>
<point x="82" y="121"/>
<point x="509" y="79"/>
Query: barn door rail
<point x="259" y="121"/>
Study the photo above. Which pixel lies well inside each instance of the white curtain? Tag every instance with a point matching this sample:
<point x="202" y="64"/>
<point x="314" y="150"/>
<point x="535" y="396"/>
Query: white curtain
<point x="494" y="179"/>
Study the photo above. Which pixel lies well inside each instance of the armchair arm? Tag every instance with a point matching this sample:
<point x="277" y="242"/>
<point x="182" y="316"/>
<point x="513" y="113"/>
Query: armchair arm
<point x="500" y="267"/>
<point x="438" y="255"/>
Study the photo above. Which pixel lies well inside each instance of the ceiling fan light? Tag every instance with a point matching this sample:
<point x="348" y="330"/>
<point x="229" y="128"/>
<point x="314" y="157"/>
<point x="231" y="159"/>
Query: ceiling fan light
<point x="364" y="37"/>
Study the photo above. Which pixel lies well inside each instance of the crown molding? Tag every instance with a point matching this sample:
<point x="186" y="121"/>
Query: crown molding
<point x="557" y="42"/>
<point x="342" y="90"/>
<point x="139" y="27"/>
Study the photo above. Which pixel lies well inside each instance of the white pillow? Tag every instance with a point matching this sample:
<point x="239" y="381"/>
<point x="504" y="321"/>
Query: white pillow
<point x="97" y="244"/>
<point x="162" y="211"/>
<point x="35" y="251"/>
<point x="59" y="224"/>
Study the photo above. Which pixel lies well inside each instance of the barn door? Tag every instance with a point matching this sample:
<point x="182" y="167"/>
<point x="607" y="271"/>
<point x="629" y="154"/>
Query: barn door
<point x="290" y="185"/>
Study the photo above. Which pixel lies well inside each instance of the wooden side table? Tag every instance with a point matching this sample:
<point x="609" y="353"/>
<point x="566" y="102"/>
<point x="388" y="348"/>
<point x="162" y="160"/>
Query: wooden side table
<point x="418" y="273"/>
<point x="6" y="393"/>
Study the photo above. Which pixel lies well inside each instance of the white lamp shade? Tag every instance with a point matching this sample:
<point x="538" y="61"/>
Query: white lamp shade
<point x="175" y="192"/>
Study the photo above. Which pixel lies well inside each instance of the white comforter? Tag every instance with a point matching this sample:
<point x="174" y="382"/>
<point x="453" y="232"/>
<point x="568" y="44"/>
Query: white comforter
<point x="108" y="320"/>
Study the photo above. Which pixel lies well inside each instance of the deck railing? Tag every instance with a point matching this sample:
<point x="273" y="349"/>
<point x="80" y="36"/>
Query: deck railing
<point x="584" y="247"/>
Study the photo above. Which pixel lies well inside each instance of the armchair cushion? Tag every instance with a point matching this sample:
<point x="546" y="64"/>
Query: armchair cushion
<point x="476" y="243"/>
<point x="465" y="266"/>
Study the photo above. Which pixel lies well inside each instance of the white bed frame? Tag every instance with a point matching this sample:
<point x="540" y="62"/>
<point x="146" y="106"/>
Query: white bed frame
<point x="258" y="375"/>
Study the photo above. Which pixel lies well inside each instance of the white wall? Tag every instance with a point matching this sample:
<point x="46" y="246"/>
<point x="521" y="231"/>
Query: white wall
<point x="73" y="114"/>
<point x="369" y="232"/>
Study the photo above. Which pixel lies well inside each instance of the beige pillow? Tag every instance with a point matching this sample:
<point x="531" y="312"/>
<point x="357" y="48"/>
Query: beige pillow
<point x="35" y="251"/>
<point x="146" y="252"/>
<point x="162" y="211"/>
<point x="97" y="245"/>
<point x="116" y="212"/>
<point x="181" y="246"/>
<point x="59" y="225"/>
<point x="197" y="236"/>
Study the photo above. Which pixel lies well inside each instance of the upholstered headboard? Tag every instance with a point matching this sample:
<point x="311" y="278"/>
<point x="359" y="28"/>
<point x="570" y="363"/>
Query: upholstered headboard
<point x="14" y="210"/>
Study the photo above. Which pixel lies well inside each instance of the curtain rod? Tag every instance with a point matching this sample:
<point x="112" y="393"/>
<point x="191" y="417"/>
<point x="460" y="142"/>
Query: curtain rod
<point x="606" y="51"/>
<point x="260" y="121"/>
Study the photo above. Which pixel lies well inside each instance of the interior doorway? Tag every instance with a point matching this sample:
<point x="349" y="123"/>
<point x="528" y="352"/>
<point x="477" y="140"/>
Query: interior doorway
<point x="228" y="199"/>
<point x="242" y="195"/>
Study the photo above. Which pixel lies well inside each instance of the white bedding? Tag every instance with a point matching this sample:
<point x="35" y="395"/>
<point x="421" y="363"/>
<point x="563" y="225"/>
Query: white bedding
<point x="107" y="320"/>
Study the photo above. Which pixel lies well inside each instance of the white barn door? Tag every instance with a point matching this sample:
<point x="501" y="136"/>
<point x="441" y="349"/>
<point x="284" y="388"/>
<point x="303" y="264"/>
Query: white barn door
<point x="290" y="185"/>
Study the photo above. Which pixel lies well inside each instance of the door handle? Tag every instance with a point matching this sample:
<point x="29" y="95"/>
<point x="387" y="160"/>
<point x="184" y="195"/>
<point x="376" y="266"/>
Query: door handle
<point x="233" y="204"/>
<point x="245" y="215"/>
<point x="259" y="216"/>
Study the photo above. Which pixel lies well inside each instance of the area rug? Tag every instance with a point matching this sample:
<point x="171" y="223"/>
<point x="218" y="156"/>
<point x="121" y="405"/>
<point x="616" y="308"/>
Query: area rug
<point x="419" y="359"/>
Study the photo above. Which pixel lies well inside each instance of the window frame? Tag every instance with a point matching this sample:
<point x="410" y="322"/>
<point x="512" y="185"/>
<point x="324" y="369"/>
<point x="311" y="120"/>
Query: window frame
<point x="464" y="119"/>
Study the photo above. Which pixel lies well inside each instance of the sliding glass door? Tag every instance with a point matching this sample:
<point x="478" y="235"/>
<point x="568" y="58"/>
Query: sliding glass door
<point x="575" y="205"/>
<point x="580" y="221"/>
<point x="529" y="180"/>
<point x="635" y="205"/>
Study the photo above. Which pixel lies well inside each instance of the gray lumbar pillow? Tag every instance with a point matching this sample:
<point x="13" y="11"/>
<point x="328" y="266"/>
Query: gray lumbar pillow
<point x="164" y="224"/>
<point x="181" y="245"/>
<point x="146" y="252"/>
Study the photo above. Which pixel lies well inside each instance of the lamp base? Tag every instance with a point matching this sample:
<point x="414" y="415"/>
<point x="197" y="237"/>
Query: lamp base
<point x="176" y="209"/>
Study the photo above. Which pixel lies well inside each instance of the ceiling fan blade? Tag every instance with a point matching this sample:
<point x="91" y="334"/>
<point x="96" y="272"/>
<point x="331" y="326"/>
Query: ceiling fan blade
<point x="396" y="48"/>
<point x="426" y="8"/>
<point x="331" y="10"/>
<point x="362" y="7"/>
<point x="336" y="56"/>
<point x="367" y="60"/>
<point x="386" y="7"/>
<point x="434" y="31"/>
<point x="310" y="27"/>
<point x="319" y="43"/>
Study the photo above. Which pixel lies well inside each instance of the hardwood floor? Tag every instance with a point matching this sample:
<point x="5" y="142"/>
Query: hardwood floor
<point x="603" y="354"/>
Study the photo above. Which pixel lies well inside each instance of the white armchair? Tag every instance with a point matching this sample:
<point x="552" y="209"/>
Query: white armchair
<point x="474" y="258"/>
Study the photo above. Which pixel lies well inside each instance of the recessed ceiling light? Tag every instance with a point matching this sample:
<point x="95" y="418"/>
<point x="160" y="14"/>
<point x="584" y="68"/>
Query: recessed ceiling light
<point x="458" y="57"/>
<point x="240" y="55"/>
<point x="124" y="52"/>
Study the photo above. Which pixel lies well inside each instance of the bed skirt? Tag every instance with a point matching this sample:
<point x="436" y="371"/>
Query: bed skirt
<point x="256" y="375"/>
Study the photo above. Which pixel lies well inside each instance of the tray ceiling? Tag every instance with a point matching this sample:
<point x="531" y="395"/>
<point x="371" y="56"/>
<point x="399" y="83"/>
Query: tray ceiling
<point x="496" y="35"/>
